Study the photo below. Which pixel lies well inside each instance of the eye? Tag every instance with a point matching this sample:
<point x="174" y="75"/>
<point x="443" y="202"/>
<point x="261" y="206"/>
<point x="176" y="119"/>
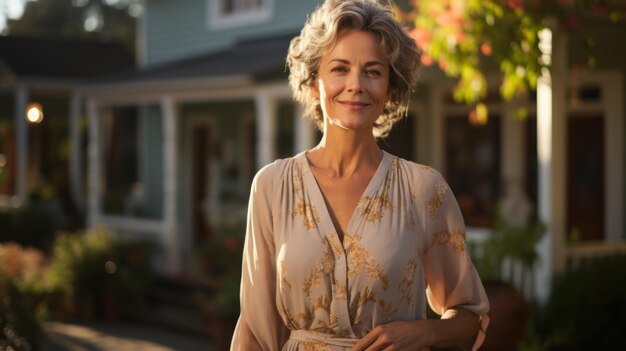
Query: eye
<point x="373" y="73"/>
<point x="339" y="69"/>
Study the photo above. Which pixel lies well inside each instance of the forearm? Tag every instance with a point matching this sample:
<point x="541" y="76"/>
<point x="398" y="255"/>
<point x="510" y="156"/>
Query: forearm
<point x="456" y="327"/>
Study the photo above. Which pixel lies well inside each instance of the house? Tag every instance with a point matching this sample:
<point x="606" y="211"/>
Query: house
<point x="41" y="148"/>
<point x="174" y="145"/>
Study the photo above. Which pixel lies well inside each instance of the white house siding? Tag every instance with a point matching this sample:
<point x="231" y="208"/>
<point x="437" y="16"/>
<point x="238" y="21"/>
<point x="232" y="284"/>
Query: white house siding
<point x="181" y="29"/>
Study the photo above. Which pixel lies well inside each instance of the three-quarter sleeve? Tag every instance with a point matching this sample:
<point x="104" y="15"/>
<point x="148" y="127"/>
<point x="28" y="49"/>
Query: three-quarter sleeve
<point x="260" y="326"/>
<point x="451" y="279"/>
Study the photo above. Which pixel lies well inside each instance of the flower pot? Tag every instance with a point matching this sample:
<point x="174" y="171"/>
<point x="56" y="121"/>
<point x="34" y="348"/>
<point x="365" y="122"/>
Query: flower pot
<point x="508" y="312"/>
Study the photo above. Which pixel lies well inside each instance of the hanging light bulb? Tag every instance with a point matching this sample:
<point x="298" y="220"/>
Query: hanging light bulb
<point x="34" y="113"/>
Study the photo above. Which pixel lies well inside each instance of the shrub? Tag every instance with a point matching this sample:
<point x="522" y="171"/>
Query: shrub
<point x="218" y="261"/>
<point x="21" y="297"/>
<point x="96" y="275"/>
<point x="587" y="310"/>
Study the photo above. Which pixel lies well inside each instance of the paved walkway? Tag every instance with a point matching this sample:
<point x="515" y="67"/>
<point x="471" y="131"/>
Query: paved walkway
<point x="106" y="336"/>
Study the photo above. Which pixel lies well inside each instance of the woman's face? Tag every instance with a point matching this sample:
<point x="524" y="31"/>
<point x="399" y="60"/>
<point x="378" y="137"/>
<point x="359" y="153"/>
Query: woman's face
<point x="353" y="82"/>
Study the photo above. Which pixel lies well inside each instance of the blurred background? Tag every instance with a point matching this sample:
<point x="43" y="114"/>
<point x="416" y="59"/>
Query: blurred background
<point x="130" y="131"/>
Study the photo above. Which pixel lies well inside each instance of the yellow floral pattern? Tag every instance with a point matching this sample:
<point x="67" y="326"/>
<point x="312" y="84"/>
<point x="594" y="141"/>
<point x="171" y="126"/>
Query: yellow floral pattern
<point x="454" y="238"/>
<point x="441" y="193"/>
<point x="303" y="208"/>
<point x="364" y="297"/>
<point x="373" y="207"/>
<point x="362" y="261"/>
<point x="314" y="346"/>
<point x="285" y="285"/>
<point x="324" y="266"/>
<point x="405" y="234"/>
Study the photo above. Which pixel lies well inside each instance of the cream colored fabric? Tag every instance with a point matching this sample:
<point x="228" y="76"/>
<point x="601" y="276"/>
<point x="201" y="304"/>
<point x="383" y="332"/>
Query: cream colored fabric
<point x="405" y="245"/>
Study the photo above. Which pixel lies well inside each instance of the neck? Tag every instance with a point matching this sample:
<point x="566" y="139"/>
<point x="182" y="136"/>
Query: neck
<point x="346" y="152"/>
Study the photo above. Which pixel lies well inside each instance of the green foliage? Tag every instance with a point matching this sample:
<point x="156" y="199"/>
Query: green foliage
<point x="466" y="36"/>
<point x="21" y="297"/>
<point x="18" y="327"/>
<point x="96" y="275"/>
<point x="218" y="261"/>
<point x="508" y="241"/>
<point x="586" y="309"/>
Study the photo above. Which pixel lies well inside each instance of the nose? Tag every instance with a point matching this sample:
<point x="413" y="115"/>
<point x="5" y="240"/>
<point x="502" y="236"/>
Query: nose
<point x="354" y="83"/>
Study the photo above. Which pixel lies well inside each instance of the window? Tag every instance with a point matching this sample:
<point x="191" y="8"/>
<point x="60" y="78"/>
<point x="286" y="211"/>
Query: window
<point x="131" y="162"/>
<point x="236" y="13"/>
<point x="473" y="167"/>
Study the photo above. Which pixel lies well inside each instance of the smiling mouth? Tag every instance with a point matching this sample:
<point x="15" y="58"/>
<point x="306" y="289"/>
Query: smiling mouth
<point x="354" y="105"/>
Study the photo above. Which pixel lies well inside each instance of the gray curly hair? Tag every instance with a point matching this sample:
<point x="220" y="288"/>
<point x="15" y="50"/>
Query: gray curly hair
<point x="320" y="32"/>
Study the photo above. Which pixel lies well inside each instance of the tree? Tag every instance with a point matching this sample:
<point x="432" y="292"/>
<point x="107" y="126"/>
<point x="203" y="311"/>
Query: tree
<point x="464" y="37"/>
<point x="96" y="19"/>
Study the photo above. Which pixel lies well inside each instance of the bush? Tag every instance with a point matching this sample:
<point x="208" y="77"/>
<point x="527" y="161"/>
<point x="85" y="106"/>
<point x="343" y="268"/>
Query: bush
<point x="21" y="297"/>
<point x="96" y="275"/>
<point x="586" y="310"/>
<point x="218" y="261"/>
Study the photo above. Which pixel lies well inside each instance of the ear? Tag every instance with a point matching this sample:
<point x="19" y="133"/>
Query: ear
<point x="315" y="89"/>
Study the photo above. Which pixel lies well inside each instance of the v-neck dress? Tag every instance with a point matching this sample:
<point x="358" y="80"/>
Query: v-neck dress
<point x="304" y="289"/>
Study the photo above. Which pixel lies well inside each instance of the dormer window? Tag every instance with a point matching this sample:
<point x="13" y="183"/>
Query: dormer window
<point x="225" y="14"/>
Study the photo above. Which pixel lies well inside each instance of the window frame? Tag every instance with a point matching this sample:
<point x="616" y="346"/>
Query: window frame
<point x="217" y="20"/>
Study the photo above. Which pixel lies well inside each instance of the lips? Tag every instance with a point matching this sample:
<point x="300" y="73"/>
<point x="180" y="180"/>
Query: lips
<point x="354" y="105"/>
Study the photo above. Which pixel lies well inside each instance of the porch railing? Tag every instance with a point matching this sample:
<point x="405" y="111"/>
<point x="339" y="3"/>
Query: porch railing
<point x="577" y="256"/>
<point x="581" y="254"/>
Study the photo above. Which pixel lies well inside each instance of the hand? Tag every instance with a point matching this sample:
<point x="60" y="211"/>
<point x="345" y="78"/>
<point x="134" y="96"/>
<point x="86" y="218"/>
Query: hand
<point x="398" y="335"/>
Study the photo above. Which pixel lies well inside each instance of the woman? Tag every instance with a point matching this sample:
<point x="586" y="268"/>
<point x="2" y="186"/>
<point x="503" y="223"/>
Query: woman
<point x="345" y="242"/>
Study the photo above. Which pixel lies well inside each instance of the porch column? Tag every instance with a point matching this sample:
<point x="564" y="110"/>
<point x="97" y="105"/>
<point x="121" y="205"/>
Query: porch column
<point x="75" y="169"/>
<point x="93" y="165"/>
<point x="266" y="109"/>
<point x="551" y="155"/>
<point x="170" y="141"/>
<point x="21" y="150"/>
<point x="303" y="130"/>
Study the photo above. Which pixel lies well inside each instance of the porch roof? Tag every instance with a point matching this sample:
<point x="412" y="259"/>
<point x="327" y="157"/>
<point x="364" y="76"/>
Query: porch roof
<point x="35" y="58"/>
<point x="260" y="59"/>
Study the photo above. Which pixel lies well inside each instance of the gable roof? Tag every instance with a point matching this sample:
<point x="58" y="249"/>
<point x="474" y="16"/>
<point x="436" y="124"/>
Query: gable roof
<point x="76" y="59"/>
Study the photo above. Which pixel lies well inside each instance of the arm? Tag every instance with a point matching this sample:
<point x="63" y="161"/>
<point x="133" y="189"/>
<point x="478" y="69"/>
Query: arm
<point x="456" y="326"/>
<point x="453" y="287"/>
<point x="259" y="327"/>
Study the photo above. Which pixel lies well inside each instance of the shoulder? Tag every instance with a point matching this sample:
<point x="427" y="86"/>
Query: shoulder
<point x="422" y="178"/>
<point x="274" y="171"/>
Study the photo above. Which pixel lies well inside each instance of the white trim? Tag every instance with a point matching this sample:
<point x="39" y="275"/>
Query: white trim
<point x="134" y="92"/>
<point x="218" y="21"/>
<point x="132" y="224"/>
<point x="93" y="167"/>
<point x="551" y="161"/>
<point x="304" y="130"/>
<point x="170" y="194"/>
<point x="266" y="106"/>
<point x="186" y="91"/>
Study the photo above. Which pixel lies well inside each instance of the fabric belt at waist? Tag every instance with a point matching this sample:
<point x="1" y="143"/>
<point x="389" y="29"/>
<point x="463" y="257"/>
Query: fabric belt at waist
<point x="328" y="339"/>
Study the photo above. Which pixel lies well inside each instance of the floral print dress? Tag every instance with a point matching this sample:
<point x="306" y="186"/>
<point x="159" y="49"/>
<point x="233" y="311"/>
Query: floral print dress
<point x="304" y="289"/>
